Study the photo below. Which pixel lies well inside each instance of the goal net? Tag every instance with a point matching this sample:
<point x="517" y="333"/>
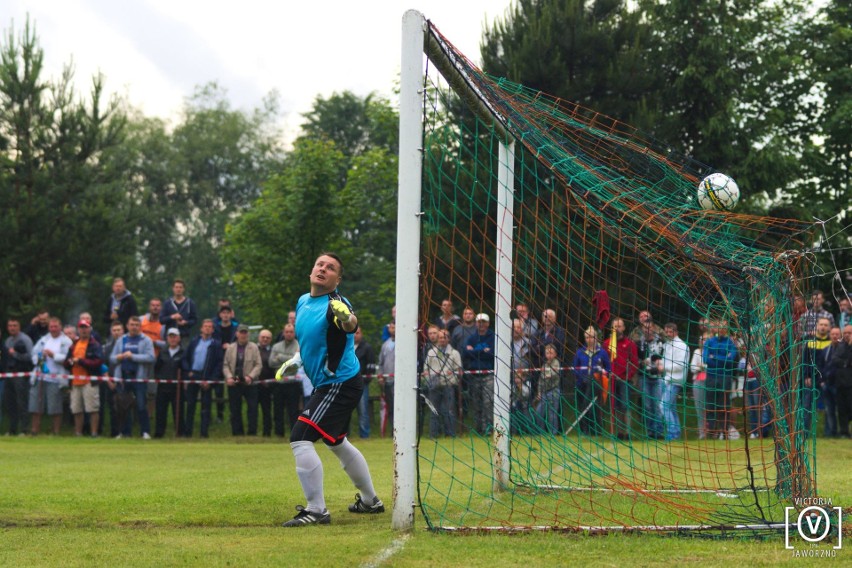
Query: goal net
<point x="579" y="239"/>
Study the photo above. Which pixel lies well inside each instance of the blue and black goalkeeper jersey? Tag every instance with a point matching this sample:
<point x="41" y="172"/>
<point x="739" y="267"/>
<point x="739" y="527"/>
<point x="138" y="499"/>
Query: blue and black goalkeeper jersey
<point x="327" y="351"/>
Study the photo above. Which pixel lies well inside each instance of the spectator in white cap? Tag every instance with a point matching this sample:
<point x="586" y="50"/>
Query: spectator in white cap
<point x="479" y="363"/>
<point x="168" y="368"/>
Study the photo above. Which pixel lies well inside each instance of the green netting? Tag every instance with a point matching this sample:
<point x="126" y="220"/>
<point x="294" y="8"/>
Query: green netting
<point x="600" y="208"/>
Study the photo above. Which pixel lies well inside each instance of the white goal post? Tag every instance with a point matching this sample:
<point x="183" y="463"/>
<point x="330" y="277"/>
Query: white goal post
<point x="414" y="27"/>
<point x="408" y="271"/>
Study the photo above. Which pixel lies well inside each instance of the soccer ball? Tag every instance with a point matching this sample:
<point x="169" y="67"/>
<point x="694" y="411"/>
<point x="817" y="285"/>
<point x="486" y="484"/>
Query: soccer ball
<point x="718" y="191"/>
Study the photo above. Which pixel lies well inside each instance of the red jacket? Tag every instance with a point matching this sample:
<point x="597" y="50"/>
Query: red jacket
<point x="626" y="361"/>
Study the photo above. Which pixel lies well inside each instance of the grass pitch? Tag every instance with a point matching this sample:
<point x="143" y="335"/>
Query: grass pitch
<point x="219" y="502"/>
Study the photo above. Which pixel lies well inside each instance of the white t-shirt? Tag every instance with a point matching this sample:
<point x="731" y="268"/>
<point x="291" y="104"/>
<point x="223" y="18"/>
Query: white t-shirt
<point x="53" y="365"/>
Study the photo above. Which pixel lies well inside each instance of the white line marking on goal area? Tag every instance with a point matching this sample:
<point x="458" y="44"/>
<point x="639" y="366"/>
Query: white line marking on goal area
<point x="383" y="556"/>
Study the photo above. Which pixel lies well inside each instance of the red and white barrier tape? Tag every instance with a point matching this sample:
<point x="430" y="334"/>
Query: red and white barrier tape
<point x="107" y="378"/>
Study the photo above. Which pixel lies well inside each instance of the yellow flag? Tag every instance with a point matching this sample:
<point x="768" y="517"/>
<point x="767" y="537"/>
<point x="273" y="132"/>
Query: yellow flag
<point x="613" y="345"/>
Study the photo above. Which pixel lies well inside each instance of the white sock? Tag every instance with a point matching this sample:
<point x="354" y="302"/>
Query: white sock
<point x="309" y="470"/>
<point x="356" y="468"/>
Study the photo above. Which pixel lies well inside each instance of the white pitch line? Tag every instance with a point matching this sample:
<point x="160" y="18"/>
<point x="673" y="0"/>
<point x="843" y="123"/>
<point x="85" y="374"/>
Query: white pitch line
<point x="383" y="556"/>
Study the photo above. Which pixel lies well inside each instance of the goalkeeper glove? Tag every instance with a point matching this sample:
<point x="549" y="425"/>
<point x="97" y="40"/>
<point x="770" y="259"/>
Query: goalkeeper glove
<point x="340" y="311"/>
<point x="288" y="366"/>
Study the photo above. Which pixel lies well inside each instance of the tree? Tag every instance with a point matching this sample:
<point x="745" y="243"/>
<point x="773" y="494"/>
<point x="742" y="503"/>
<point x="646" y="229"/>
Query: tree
<point x="224" y="157"/>
<point x="325" y="198"/>
<point x="366" y="131"/>
<point x="369" y="205"/>
<point x="733" y="87"/>
<point x="64" y="218"/>
<point x="184" y="185"/>
<point x="833" y="59"/>
<point x="581" y="51"/>
<point x="826" y="191"/>
<point x="91" y="194"/>
<point x="269" y="247"/>
<point x="723" y="82"/>
<point x="354" y="124"/>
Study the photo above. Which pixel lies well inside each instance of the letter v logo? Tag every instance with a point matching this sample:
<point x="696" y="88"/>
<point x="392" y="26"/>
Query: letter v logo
<point x="813" y="522"/>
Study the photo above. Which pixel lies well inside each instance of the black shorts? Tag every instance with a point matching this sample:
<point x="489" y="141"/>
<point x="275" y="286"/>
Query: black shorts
<point x="328" y="412"/>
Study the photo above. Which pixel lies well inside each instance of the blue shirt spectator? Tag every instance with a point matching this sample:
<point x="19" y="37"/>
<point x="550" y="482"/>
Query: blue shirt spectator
<point x="199" y="353"/>
<point x="479" y="351"/>
<point x="720" y="355"/>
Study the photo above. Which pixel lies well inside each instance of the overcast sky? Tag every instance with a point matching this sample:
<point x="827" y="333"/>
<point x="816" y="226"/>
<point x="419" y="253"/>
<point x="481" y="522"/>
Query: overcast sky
<point x="155" y="52"/>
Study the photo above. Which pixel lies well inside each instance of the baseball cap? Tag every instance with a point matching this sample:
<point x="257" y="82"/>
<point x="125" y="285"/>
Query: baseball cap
<point x="84" y="323"/>
<point x="242" y="327"/>
<point x="482" y="317"/>
<point x="173" y="331"/>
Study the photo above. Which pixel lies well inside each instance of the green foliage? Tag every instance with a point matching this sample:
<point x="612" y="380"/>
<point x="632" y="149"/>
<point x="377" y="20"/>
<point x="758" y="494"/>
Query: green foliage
<point x="91" y="194"/>
<point x="354" y="124"/>
<point x="336" y="191"/>
<point x="184" y="186"/>
<point x="146" y="163"/>
<point x="587" y="52"/>
<point x="732" y="87"/>
<point x="826" y="190"/>
<point x="64" y="215"/>
<point x="270" y="248"/>
<point x="369" y="204"/>
<point x="724" y="82"/>
<point x="224" y="157"/>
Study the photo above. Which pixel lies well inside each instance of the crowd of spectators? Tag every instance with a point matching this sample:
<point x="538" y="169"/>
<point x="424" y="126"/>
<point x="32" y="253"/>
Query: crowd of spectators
<point x="151" y="370"/>
<point x="149" y="366"/>
<point x="644" y="372"/>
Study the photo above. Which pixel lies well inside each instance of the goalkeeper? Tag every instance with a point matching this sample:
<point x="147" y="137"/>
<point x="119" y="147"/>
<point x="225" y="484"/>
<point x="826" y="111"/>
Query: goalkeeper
<point x="325" y="325"/>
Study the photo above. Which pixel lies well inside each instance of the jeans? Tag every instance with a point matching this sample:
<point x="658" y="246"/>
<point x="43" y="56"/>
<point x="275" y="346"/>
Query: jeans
<point x="140" y="393"/>
<point x="219" y="390"/>
<point x="651" y="391"/>
<point x="194" y="391"/>
<point x="668" y="409"/>
<point x="519" y="412"/>
<point x="548" y="412"/>
<point x="286" y="395"/>
<point x="843" y="402"/>
<point x="107" y="403"/>
<point x="806" y="400"/>
<point x="758" y="409"/>
<point x="388" y="392"/>
<point x="364" y="413"/>
<point x="621" y="405"/>
<point x="717" y="404"/>
<point x="698" y="395"/>
<point x="482" y="402"/>
<point x="264" y="401"/>
<point x="443" y="399"/>
<point x="829" y="401"/>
